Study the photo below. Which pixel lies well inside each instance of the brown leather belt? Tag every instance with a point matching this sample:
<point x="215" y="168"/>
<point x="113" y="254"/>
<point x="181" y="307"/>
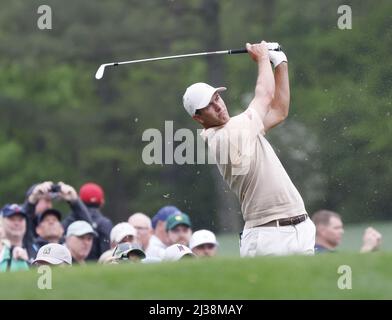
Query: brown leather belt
<point x="286" y="221"/>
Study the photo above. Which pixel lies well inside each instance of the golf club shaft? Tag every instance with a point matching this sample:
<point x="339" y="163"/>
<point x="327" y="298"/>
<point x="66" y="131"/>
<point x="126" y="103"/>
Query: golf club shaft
<point x="234" y="51"/>
<point x="101" y="69"/>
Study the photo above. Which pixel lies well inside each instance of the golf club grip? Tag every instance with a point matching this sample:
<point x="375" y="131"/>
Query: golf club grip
<point x="236" y="51"/>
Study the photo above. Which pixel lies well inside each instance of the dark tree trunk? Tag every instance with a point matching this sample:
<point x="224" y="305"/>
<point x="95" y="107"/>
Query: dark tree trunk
<point x="227" y="207"/>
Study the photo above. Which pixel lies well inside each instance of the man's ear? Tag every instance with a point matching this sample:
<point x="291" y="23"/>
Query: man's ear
<point x="199" y="119"/>
<point x="320" y="229"/>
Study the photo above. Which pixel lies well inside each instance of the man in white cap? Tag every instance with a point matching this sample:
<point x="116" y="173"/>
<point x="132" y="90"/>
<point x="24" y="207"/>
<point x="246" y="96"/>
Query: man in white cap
<point x="177" y="252"/>
<point x="53" y="254"/>
<point x="79" y="240"/>
<point x="203" y="243"/>
<point x="276" y="221"/>
<point x="121" y="233"/>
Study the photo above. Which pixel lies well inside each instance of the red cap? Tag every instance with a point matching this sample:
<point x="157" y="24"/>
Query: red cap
<point x="91" y="193"/>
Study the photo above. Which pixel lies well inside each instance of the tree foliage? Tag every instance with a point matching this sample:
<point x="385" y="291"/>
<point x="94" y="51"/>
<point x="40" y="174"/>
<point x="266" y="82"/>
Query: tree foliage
<point x="58" y="123"/>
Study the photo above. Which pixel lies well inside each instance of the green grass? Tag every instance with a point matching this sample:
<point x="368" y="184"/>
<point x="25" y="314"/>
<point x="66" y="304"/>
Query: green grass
<point x="295" y="277"/>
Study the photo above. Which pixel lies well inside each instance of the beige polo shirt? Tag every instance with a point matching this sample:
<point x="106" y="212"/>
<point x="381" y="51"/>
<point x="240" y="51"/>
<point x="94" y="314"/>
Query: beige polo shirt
<point x="252" y="170"/>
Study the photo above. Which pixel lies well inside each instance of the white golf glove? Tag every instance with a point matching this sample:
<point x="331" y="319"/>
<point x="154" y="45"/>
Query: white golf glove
<point x="67" y="192"/>
<point x="276" y="57"/>
<point x="39" y="191"/>
<point x="272" y="45"/>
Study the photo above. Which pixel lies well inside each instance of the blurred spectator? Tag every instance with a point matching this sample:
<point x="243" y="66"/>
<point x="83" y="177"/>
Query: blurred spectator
<point x="40" y="198"/>
<point x="159" y="240"/>
<point x="203" y="243"/>
<point x="178" y="227"/>
<point x="177" y="252"/>
<point x="53" y="254"/>
<point x="329" y="233"/>
<point x="142" y="224"/>
<point x="2" y="235"/>
<point x="93" y="197"/>
<point x="79" y="240"/>
<point x="49" y="229"/>
<point x="121" y="233"/>
<point x="13" y="256"/>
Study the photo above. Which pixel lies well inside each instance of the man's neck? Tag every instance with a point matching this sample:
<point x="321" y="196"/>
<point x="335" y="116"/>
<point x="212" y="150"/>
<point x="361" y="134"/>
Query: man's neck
<point x="324" y="243"/>
<point x="16" y="242"/>
<point x="79" y="260"/>
<point x="52" y="239"/>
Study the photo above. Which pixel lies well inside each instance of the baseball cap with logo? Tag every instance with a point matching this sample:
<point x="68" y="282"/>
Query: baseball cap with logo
<point x="92" y="194"/>
<point x="164" y="213"/>
<point x="177" y="219"/>
<point x="54" y="253"/>
<point x="121" y="230"/>
<point x="11" y="209"/>
<point x="202" y="237"/>
<point x="80" y="228"/>
<point x="176" y="252"/>
<point x="198" y="96"/>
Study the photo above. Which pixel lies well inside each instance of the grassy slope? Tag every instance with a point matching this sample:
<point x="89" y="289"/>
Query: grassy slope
<point x="221" y="278"/>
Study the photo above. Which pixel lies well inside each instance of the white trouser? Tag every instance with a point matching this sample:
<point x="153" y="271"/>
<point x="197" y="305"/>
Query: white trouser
<point x="271" y="240"/>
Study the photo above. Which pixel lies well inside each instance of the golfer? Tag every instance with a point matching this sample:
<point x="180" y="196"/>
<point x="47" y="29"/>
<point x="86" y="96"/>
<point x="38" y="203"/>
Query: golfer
<point x="276" y="221"/>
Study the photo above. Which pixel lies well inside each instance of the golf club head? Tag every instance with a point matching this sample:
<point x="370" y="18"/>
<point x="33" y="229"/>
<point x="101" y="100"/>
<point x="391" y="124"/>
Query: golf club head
<point x="100" y="71"/>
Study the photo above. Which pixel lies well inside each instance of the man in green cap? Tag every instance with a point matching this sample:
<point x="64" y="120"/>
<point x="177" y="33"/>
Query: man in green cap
<point x="179" y="229"/>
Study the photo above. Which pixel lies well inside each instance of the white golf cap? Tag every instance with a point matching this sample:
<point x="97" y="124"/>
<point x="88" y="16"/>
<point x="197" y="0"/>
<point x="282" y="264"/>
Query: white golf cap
<point x="120" y="231"/>
<point x="177" y="251"/>
<point x="202" y="237"/>
<point x="54" y="253"/>
<point x="198" y="96"/>
<point x="80" y="228"/>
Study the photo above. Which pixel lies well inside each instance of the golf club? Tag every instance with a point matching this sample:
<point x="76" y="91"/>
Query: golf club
<point x="99" y="74"/>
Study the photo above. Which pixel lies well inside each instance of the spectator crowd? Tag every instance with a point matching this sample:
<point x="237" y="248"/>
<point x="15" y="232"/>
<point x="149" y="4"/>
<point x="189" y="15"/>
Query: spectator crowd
<point x="35" y="233"/>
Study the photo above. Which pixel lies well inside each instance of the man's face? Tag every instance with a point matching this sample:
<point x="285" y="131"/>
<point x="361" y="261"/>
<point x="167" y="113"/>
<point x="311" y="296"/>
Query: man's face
<point x="160" y="232"/>
<point x="144" y="230"/>
<point x="50" y="228"/>
<point x="180" y="234"/>
<point x="14" y="226"/>
<point x="128" y="238"/>
<point x="80" y="246"/>
<point x="133" y="257"/>
<point x="43" y="204"/>
<point x="205" y="250"/>
<point x="333" y="232"/>
<point x="215" y="114"/>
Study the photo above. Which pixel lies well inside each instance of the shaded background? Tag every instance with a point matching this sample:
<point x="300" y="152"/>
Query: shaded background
<point x="58" y="123"/>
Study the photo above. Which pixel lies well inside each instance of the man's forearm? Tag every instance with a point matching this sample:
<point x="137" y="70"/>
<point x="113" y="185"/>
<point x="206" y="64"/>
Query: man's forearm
<point x="265" y="85"/>
<point x="281" y="101"/>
